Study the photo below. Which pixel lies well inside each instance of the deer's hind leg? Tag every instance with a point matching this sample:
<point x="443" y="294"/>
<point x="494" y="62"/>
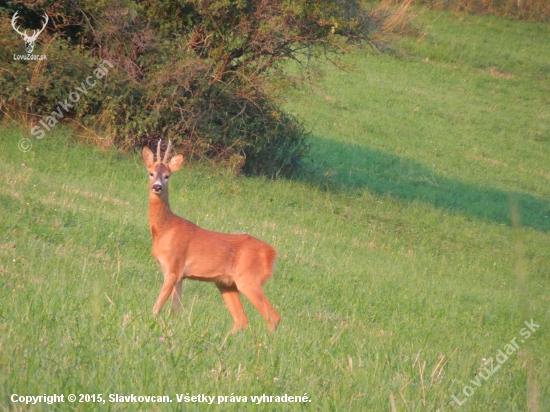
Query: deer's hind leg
<point x="255" y="293"/>
<point x="230" y="295"/>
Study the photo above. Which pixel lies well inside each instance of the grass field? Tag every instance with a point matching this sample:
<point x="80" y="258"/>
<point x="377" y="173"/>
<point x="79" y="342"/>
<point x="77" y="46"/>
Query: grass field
<point x="399" y="267"/>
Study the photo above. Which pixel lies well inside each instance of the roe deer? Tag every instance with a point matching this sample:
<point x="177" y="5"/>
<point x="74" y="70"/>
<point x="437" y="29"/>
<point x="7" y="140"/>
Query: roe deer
<point x="235" y="263"/>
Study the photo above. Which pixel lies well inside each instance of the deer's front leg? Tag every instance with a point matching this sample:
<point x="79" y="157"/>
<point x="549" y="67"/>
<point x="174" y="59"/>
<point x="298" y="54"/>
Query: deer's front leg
<point x="170" y="282"/>
<point x="176" y="296"/>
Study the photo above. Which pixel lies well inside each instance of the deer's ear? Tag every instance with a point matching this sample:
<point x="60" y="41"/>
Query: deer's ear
<point x="175" y="162"/>
<point x="148" y="157"/>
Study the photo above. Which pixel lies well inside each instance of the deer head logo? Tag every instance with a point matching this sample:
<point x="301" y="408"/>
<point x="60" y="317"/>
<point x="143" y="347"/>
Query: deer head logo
<point x="29" y="40"/>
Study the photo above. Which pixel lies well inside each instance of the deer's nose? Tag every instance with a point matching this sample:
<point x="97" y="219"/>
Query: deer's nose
<point x="157" y="188"/>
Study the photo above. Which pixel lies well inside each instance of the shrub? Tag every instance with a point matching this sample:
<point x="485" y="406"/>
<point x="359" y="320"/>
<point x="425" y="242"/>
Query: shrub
<point x="203" y="73"/>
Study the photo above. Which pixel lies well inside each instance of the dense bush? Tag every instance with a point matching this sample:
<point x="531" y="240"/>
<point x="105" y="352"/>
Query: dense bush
<point x="203" y="73"/>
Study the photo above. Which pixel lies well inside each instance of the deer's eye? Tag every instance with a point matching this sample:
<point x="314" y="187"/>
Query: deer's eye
<point x="166" y="177"/>
<point x="151" y="174"/>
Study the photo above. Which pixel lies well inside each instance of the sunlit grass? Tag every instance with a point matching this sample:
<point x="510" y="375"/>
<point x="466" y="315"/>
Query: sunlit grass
<point x="396" y="271"/>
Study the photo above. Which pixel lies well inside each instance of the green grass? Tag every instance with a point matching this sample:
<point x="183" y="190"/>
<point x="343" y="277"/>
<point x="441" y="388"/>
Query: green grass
<point x="397" y="247"/>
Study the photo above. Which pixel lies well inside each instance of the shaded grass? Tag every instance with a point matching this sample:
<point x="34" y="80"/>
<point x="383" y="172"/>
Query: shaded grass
<point x="440" y="126"/>
<point x="396" y="251"/>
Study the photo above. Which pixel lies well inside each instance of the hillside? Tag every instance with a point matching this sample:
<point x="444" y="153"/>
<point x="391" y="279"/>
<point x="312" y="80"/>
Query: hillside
<point x="399" y="271"/>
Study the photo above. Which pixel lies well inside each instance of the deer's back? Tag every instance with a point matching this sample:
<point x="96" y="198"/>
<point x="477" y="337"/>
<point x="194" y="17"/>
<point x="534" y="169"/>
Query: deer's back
<point x="213" y="256"/>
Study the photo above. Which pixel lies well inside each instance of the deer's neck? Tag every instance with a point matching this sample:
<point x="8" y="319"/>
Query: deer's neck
<point x="159" y="212"/>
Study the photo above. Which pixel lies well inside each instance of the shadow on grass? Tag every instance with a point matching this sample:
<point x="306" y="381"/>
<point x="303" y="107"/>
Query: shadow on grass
<point x="354" y="167"/>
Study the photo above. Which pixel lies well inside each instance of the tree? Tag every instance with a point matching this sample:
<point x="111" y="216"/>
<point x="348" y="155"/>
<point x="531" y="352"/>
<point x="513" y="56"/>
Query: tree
<point x="200" y="72"/>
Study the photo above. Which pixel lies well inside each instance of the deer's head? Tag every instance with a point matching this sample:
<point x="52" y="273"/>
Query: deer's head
<point x="160" y="171"/>
<point x="29" y="40"/>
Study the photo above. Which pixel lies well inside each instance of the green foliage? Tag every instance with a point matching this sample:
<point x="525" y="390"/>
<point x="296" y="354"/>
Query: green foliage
<point x="203" y="73"/>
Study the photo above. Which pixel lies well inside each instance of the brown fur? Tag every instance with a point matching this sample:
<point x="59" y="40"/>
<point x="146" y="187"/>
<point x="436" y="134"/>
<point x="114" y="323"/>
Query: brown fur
<point x="235" y="263"/>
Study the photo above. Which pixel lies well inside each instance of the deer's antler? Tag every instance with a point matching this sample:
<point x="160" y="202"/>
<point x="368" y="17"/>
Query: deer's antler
<point x="167" y="152"/>
<point x="158" y="150"/>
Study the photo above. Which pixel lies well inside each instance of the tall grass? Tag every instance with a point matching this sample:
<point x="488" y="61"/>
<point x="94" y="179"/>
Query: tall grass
<point x="532" y="10"/>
